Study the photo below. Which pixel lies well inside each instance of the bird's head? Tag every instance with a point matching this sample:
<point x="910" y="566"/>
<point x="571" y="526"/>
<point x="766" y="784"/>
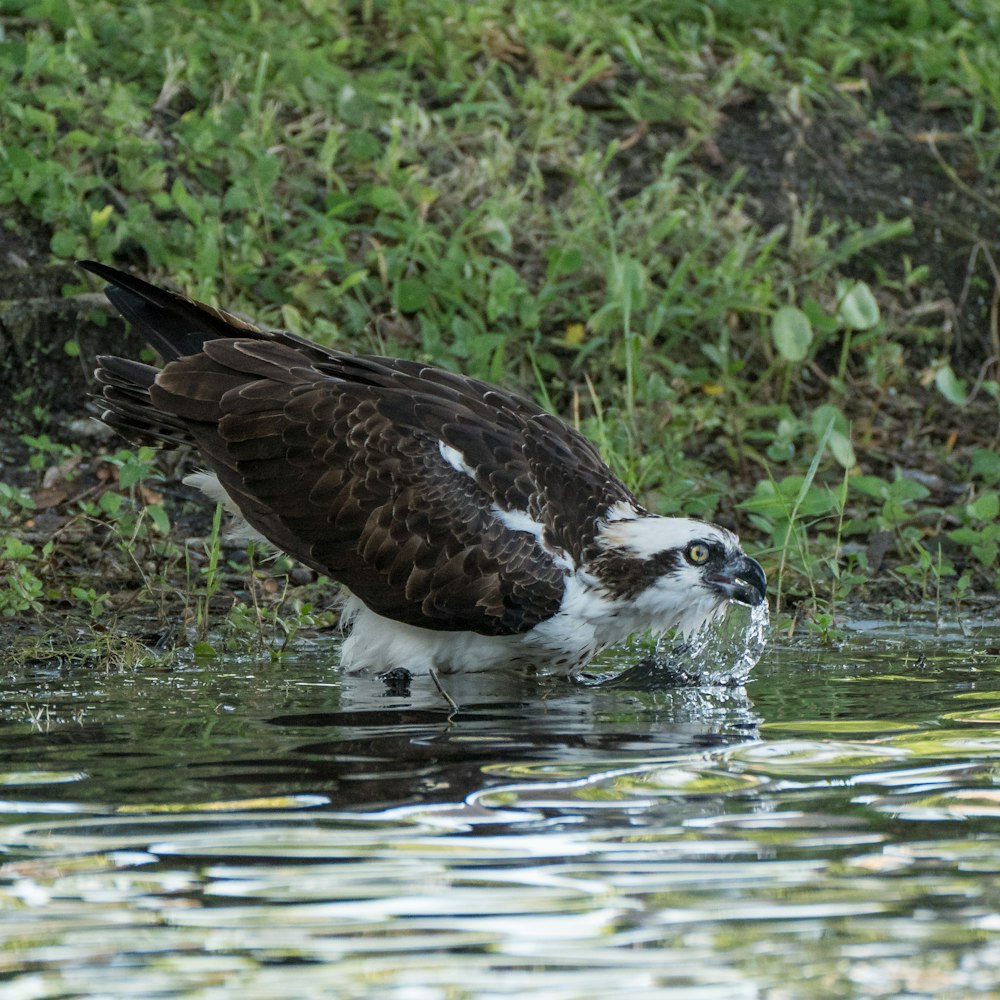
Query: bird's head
<point x="677" y="572"/>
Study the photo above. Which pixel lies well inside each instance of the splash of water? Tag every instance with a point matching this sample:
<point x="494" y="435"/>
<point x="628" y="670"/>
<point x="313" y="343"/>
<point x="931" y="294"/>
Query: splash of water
<point x="722" y="654"/>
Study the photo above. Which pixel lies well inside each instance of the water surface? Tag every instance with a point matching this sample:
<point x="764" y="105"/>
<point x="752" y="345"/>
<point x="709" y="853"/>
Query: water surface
<point x="256" y="829"/>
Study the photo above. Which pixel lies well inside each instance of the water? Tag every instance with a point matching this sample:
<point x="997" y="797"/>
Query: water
<point x="250" y="829"/>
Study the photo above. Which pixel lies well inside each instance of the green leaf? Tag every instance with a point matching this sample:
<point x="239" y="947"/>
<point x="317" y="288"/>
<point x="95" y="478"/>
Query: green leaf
<point x="498" y="233"/>
<point x="161" y="522"/>
<point x="506" y="289"/>
<point x="986" y="465"/>
<point x="385" y="199"/>
<point x="63" y="243"/>
<point x="986" y="507"/>
<point x="870" y="486"/>
<point x="792" y="333"/>
<point x="110" y="503"/>
<point x="362" y="146"/>
<point x="129" y="473"/>
<point x="829" y="419"/>
<point x="14" y="549"/>
<point x="99" y="219"/>
<point x="950" y="385"/>
<point x="819" y="317"/>
<point x="906" y="489"/>
<point x="842" y="450"/>
<point x="187" y="205"/>
<point x="412" y="295"/>
<point x="986" y="553"/>
<point x="825" y="415"/>
<point x="563" y="261"/>
<point x="965" y="536"/>
<point x="858" y="309"/>
<point x="627" y="281"/>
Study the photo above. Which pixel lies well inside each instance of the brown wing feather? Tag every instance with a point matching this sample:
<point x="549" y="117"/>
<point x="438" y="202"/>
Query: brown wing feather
<point x="347" y="479"/>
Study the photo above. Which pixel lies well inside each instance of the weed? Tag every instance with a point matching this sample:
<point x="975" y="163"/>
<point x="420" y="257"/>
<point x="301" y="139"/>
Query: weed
<point x="92" y="649"/>
<point x="209" y="580"/>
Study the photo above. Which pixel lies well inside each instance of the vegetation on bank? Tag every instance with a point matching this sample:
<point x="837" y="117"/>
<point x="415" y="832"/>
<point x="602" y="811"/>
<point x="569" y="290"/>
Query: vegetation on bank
<point x="749" y="248"/>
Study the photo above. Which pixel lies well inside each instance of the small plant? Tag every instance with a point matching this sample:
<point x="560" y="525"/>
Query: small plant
<point x="45" y="451"/>
<point x="97" y="604"/>
<point x="980" y="530"/>
<point x="794" y="331"/>
<point x="15" y="503"/>
<point x="785" y="509"/>
<point x="209" y="580"/>
<point x="21" y="589"/>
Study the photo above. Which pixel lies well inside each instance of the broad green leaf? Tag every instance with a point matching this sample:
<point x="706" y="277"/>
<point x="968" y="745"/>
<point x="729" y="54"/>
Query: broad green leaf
<point x="362" y="146"/>
<point x="564" y="261"/>
<point x="986" y="464"/>
<point x="14" y="549"/>
<point x="792" y="333"/>
<point x="842" y="450"/>
<point x="870" y="486"/>
<point x="829" y="419"/>
<point x="627" y="278"/>
<point x="63" y="243"/>
<point x="986" y="507"/>
<point x="110" y="503"/>
<point x="412" y="295"/>
<point x="950" y="385"/>
<point x="907" y="489"/>
<point x="506" y="288"/>
<point x="159" y="518"/>
<point x="825" y="415"/>
<point x="385" y="199"/>
<point x="498" y="233"/>
<point x="858" y="309"/>
<point x="183" y="200"/>
<point x="821" y="320"/>
<point x="965" y="536"/>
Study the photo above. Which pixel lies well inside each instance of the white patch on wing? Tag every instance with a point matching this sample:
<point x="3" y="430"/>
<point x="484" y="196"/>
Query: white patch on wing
<point x="521" y="520"/>
<point x="649" y="534"/>
<point x="240" y="531"/>
<point x="621" y="511"/>
<point x="456" y="459"/>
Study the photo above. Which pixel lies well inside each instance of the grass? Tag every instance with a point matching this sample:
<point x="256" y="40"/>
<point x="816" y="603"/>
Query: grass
<point x="584" y="201"/>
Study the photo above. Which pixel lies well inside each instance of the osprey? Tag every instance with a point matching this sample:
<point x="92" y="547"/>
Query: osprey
<point x="473" y="530"/>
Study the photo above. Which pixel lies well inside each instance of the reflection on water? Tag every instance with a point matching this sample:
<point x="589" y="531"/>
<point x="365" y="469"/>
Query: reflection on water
<point x="262" y="830"/>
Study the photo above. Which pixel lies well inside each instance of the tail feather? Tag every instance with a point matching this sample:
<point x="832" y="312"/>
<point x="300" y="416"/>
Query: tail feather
<point x="127" y="406"/>
<point x="208" y="353"/>
<point x="174" y="325"/>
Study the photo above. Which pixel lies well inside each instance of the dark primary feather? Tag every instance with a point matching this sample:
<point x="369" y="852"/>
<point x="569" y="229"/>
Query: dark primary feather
<point x="174" y="325"/>
<point x="336" y="459"/>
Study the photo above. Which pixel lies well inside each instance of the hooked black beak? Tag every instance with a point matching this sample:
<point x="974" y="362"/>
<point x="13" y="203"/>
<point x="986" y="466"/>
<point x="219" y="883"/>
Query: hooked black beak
<point x="741" y="580"/>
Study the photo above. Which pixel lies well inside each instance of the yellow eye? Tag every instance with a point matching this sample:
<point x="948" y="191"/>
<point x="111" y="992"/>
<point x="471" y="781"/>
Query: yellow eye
<point x="697" y="553"/>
